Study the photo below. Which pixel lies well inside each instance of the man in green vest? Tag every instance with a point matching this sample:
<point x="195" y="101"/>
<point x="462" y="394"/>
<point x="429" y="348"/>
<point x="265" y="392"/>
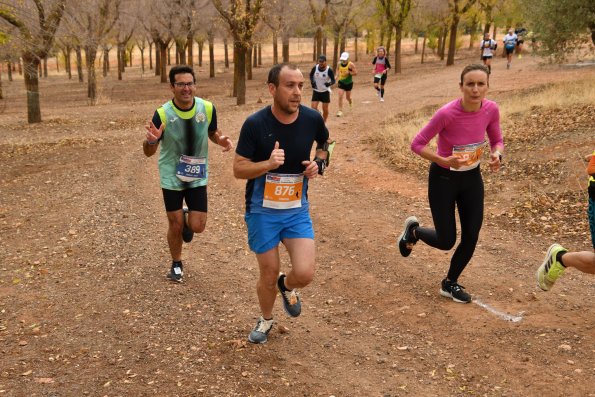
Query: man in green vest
<point x="181" y="127"/>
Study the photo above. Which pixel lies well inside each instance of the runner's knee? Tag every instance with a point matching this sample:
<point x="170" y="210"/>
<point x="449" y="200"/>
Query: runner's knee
<point x="446" y="243"/>
<point x="303" y="276"/>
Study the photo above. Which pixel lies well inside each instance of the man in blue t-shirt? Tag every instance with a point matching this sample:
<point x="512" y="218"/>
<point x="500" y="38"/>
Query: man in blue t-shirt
<point x="273" y="154"/>
<point x="182" y="128"/>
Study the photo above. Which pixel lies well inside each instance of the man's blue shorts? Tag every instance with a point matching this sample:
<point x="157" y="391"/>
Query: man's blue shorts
<point x="265" y="231"/>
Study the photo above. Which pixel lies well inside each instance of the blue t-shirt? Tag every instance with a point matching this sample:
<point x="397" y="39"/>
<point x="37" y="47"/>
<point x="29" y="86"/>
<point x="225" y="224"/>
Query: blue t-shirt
<point x="257" y="140"/>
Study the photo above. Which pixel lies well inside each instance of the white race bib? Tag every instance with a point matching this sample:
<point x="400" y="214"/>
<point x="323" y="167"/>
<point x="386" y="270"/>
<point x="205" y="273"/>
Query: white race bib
<point x="471" y="153"/>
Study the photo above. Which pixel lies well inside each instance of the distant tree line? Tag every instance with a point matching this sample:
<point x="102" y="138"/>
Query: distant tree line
<point x="86" y="31"/>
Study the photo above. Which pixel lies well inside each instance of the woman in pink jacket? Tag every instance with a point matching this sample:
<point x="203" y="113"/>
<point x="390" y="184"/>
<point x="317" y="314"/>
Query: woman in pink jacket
<point x="455" y="176"/>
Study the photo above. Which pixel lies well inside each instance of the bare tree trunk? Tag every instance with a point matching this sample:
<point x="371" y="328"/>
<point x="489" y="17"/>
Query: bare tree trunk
<point x="335" y="50"/>
<point x="285" y="47"/>
<point x="260" y="54"/>
<point x="130" y="51"/>
<point x="452" y="45"/>
<point x="180" y="53"/>
<point x="249" y="62"/>
<point x="190" y="45"/>
<point x="254" y="57"/>
<point x="157" y="57"/>
<point x="389" y="40"/>
<point x="105" y="62"/>
<point x="66" y="51"/>
<point x="423" y="47"/>
<point x="90" y="54"/>
<point x="487" y="27"/>
<point x="151" y="55"/>
<point x="314" y="52"/>
<point x="356" y="45"/>
<point x="398" y="66"/>
<point x="79" y="62"/>
<point x="31" y="64"/>
<point x="240" y="70"/>
<point x="416" y="44"/>
<point x="142" y="59"/>
<point x="45" y="66"/>
<point x="121" y="60"/>
<point x="442" y="46"/>
<point x="343" y="44"/>
<point x="226" y="49"/>
<point x="19" y="67"/>
<point x="211" y="57"/>
<point x="9" y="64"/>
<point x="275" y="48"/>
<point x="234" y="91"/>
<point x="162" y="61"/>
<point x="317" y="43"/>
<point x="201" y="44"/>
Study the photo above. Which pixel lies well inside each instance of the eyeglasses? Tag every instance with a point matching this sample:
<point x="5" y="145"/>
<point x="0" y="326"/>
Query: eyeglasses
<point x="182" y="85"/>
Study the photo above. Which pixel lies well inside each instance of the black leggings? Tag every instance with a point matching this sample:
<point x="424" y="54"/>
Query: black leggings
<point x="445" y="189"/>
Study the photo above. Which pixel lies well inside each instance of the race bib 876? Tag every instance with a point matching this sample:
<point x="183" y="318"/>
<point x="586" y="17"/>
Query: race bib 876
<point x="283" y="191"/>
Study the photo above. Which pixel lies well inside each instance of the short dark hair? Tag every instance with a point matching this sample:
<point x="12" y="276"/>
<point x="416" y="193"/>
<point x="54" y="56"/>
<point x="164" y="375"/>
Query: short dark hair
<point x="475" y="66"/>
<point x="276" y="71"/>
<point x="178" y="69"/>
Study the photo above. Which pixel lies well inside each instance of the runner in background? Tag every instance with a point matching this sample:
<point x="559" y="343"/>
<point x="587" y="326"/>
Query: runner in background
<point x="346" y="70"/>
<point x="322" y="79"/>
<point x="488" y="48"/>
<point x="182" y="127"/>
<point x="510" y="41"/>
<point x="455" y="177"/>
<point x="521" y="33"/>
<point x="273" y="154"/>
<point x="558" y="258"/>
<point x="381" y="68"/>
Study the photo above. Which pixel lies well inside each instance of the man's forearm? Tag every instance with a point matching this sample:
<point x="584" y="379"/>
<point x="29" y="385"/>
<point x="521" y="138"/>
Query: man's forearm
<point x="246" y="169"/>
<point x="214" y="136"/>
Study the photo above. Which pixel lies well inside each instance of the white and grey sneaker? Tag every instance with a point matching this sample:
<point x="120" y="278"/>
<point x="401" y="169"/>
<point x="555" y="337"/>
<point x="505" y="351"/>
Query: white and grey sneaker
<point x="260" y="333"/>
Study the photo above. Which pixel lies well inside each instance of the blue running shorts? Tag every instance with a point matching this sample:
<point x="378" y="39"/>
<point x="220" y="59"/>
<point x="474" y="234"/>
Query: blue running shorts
<point x="266" y="231"/>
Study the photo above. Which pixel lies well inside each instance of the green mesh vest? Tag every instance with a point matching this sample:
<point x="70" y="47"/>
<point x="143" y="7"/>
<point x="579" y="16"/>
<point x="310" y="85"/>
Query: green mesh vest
<point x="180" y="139"/>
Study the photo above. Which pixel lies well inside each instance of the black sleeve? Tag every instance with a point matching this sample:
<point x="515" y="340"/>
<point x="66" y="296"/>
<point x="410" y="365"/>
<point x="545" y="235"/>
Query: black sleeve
<point x="387" y="63"/>
<point x="312" y="77"/>
<point x="374" y="61"/>
<point x="213" y="123"/>
<point x="322" y="133"/>
<point x="331" y="75"/>
<point x="246" y="143"/>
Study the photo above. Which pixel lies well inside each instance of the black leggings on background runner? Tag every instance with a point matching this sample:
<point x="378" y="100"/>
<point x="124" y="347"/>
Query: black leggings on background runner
<point x="445" y="189"/>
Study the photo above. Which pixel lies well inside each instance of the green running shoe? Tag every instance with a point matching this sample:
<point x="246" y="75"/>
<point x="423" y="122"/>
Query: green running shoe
<point x="331" y="146"/>
<point x="550" y="270"/>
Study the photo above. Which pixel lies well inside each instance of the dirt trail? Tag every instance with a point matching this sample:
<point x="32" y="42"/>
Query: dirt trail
<point x="85" y="308"/>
